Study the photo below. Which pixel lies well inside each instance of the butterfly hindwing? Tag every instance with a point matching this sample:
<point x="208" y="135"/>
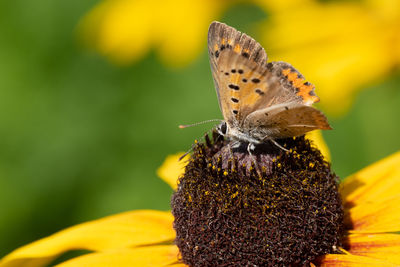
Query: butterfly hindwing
<point x="293" y="85"/>
<point x="285" y="120"/>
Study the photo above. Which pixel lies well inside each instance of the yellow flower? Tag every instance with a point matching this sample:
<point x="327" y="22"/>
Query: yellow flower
<point x="126" y="30"/>
<point x="340" y="46"/>
<point x="145" y="237"/>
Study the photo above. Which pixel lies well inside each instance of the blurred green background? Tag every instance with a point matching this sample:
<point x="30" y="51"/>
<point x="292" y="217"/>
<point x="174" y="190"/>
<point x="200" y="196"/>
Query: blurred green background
<point x="82" y="138"/>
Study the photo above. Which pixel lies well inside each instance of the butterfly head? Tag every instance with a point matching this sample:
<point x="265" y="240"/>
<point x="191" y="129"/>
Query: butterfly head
<point x="222" y="128"/>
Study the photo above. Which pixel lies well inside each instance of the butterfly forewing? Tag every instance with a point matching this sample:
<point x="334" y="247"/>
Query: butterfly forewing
<point x="243" y="86"/>
<point x="231" y="53"/>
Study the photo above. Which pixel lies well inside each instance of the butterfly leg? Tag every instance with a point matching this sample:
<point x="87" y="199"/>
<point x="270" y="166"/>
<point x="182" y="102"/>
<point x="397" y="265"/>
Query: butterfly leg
<point x="234" y="145"/>
<point x="251" y="147"/>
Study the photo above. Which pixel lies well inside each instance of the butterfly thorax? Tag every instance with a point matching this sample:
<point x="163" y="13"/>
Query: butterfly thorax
<point x="238" y="134"/>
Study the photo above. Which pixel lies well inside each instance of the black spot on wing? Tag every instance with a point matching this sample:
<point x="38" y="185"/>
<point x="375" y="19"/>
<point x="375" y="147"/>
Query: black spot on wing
<point x="233" y="71"/>
<point x="240" y="71"/>
<point x="246" y="55"/>
<point x="255" y="80"/>
<point x="244" y="80"/>
<point x="235" y="100"/>
<point x="233" y="86"/>
<point x="259" y="91"/>
<point x="235" y="111"/>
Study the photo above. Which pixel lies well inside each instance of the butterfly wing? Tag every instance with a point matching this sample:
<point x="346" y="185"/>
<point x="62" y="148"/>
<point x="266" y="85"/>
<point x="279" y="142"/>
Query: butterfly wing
<point x="285" y="120"/>
<point x="246" y="83"/>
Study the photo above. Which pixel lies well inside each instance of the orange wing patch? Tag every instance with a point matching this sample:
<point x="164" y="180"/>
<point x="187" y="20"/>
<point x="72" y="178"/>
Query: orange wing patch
<point x="304" y="89"/>
<point x="237" y="48"/>
<point x="216" y="47"/>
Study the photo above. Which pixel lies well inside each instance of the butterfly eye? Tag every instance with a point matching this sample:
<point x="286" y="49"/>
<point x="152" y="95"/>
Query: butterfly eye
<point x="222" y="128"/>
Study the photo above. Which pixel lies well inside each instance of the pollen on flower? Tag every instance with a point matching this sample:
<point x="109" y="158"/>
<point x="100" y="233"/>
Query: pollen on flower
<point x="277" y="212"/>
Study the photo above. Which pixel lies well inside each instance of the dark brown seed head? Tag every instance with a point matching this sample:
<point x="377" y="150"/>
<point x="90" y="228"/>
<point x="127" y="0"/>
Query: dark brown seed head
<point x="283" y="210"/>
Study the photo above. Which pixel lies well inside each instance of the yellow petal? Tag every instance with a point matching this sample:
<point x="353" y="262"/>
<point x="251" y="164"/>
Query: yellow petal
<point x="375" y="217"/>
<point x="183" y="28"/>
<point x="388" y="9"/>
<point x="275" y="6"/>
<point x="123" y="230"/>
<point x="352" y="261"/>
<point x="379" y="246"/>
<point x="318" y="141"/>
<point x="120" y="29"/>
<point x="172" y="168"/>
<point x="143" y="256"/>
<point x="377" y="182"/>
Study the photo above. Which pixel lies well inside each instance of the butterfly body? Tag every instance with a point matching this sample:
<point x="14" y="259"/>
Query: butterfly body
<point x="259" y="101"/>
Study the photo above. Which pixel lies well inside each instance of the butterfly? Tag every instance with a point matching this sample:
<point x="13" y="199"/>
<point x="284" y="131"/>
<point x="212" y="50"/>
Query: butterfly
<point x="259" y="100"/>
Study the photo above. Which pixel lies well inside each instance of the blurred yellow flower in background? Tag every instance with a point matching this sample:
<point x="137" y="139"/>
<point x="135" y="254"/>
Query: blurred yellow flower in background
<point x="339" y="46"/>
<point x="126" y="30"/>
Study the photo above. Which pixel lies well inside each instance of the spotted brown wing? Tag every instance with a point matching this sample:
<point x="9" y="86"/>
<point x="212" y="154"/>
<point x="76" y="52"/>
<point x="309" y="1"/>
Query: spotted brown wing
<point x="245" y="82"/>
<point x="235" y="59"/>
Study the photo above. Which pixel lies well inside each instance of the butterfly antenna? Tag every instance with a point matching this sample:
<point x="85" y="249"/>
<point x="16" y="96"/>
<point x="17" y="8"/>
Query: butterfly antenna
<point x="198" y="123"/>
